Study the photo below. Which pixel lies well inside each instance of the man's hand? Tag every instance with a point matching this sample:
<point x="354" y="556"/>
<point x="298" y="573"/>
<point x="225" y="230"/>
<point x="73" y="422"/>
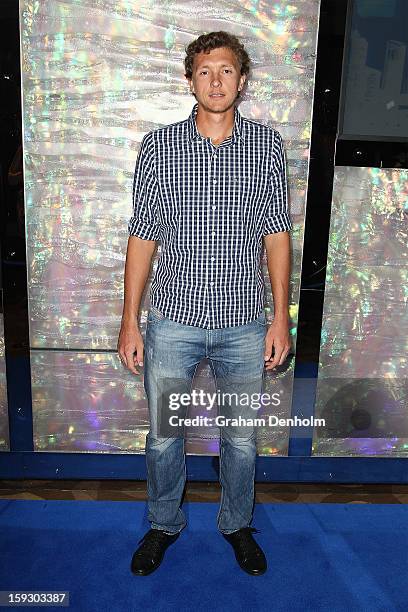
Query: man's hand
<point x="130" y="346"/>
<point x="277" y="337"/>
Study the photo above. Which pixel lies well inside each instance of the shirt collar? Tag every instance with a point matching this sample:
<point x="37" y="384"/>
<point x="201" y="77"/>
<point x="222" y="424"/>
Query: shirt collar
<point x="194" y="134"/>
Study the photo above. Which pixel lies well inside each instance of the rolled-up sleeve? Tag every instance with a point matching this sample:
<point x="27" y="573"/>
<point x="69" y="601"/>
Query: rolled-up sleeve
<point x="277" y="215"/>
<point x="143" y="223"/>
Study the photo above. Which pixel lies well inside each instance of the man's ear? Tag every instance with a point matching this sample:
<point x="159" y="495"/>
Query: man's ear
<point x="242" y="82"/>
<point x="190" y="84"/>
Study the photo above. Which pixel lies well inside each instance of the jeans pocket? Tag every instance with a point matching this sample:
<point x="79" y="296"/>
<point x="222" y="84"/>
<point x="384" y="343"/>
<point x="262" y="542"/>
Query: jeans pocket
<point x="261" y="320"/>
<point x="154" y="316"/>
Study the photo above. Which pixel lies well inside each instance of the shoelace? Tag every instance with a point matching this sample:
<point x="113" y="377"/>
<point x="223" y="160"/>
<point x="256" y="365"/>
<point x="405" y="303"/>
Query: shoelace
<point x="151" y="541"/>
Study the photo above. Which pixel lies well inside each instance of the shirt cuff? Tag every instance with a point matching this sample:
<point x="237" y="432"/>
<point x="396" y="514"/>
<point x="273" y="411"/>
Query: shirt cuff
<point x="141" y="229"/>
<point x="277" y="223"/>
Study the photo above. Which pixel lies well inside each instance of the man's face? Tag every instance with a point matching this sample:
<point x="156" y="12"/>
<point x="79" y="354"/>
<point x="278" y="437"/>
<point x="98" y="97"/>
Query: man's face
<point x="216" y="79"/>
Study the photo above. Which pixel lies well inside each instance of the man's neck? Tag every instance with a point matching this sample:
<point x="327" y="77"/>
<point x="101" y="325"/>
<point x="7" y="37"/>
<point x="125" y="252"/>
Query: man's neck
<point x="217" y="126"/>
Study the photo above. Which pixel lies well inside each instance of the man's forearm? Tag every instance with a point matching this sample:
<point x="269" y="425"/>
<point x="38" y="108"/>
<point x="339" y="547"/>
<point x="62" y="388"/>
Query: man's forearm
<point x="137" y="267"/>
<point x="278" y="255"/>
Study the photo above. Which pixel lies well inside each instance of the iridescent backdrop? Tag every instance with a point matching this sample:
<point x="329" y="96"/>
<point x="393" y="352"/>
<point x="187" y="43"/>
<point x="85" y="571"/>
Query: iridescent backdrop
<point x="362" y="385"/>
<point x="97" y="75"/>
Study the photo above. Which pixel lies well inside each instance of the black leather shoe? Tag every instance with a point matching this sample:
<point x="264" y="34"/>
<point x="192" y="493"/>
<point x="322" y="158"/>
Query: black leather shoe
<point x="150" y="553"/>
<point x="249" y="555"/>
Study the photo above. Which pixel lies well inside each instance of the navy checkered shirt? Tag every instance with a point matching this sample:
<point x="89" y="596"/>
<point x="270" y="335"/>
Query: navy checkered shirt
<point x="209" y="206"/>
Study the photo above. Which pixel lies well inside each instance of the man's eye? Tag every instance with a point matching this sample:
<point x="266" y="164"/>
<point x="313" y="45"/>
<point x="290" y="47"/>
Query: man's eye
<point x="205" y="71"/>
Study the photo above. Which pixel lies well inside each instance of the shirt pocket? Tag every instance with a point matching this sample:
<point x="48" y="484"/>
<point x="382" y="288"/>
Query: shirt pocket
<point x="250" y="195"/>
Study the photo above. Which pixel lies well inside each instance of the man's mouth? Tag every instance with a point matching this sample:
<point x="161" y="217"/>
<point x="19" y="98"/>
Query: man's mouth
<point x="216" y="95"/>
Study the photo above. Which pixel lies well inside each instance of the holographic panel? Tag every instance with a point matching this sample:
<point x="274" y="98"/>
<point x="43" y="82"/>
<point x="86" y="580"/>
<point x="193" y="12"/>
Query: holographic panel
<point x="4" y="422"/>
<point x="85" y="402"/>
<point x="362" y="386"/>
<point x="99" y="74"/>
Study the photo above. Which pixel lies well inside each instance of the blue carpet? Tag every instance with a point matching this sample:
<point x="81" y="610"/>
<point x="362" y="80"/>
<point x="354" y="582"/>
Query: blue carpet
<point x="321" y="557"/>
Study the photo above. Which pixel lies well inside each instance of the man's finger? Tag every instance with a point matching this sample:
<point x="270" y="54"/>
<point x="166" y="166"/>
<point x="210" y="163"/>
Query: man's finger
<point x="122" y="358"/>
<point x="130" y="363"/>
<point x="272" y="363"/>
<point x="138" y="357"/>
<point x="284" y="356"/>
<point x="268" y="349"/>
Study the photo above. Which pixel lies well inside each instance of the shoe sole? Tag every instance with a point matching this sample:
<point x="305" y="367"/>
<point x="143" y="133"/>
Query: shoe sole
<point x="145" y="573"/>
<point x="253" y="573"/>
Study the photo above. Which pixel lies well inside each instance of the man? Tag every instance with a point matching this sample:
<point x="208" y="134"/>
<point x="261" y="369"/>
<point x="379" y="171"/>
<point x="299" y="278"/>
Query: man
<point x="211" y="189"/>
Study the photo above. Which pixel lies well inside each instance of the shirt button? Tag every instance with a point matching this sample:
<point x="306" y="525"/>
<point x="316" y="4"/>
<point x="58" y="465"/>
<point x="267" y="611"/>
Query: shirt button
<point x="213" y="233"/>
<point x="211" y="284"/>
<point x="214" y="207"/>
<point x="214" y="181"/>
<point x="212" y="258"/>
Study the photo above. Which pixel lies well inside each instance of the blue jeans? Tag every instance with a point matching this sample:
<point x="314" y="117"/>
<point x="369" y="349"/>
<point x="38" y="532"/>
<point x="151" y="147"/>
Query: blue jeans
<point x="173" y="351"/>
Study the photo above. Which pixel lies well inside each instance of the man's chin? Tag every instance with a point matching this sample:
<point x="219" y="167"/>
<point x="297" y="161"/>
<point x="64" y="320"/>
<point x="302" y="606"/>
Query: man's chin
<point x="217" y="105"/>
